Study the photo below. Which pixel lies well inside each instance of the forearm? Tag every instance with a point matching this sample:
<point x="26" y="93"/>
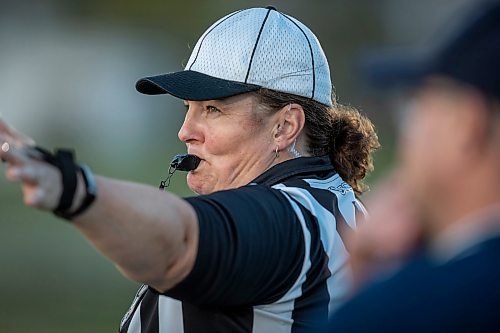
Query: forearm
<point x="152" y="236"/>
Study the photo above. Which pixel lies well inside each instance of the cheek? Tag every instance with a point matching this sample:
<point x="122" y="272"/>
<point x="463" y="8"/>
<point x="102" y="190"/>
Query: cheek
<point x="233" y="140"/>
<point x="420" y="150"/>
<point x="414" y="140"/>
<point x="225" y="149"/>
<point x="223" y="140"/>
<point x="428" y="153"/>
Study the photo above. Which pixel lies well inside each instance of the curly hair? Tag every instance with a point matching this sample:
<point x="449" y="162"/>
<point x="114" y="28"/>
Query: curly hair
<point x="341" y="132"/>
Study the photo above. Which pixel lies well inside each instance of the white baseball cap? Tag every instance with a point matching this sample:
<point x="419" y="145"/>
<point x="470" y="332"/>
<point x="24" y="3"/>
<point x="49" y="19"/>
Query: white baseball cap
<point x="245" y="51"/>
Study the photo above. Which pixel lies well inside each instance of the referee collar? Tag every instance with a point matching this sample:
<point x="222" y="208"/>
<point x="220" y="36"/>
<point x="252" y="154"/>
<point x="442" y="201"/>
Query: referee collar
<point x="292" y="168"/>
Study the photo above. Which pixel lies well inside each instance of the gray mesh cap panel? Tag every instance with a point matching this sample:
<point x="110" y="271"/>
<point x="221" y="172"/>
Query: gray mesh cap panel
<point x="323" y="86"/>
<point x="283" y="60"/>
<point x="225" y="49"/>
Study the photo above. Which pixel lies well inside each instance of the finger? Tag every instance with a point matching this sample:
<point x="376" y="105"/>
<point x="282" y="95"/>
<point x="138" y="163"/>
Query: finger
<point x="12" y="174"/>
<point x="15" y="136"/>
<point x="27" y="174"/>
<point x="12" y="154"/>
<point x="34" y="198"/>
<point x="4" y="147"/>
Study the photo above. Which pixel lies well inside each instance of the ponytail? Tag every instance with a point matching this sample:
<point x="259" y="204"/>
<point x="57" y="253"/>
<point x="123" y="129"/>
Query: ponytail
<point x="352" y="142"/>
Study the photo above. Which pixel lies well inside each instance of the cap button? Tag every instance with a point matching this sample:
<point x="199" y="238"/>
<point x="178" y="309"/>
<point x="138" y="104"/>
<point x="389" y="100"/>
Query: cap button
<point x="271" y="7"/>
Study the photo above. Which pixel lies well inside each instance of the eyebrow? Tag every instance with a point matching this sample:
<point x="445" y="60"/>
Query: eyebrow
<point x="222" y="102"/>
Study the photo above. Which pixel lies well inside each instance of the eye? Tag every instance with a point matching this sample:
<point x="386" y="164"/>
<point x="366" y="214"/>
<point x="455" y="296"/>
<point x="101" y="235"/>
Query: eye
<point x="212" y="109"/>
<point x="186" y="106"/>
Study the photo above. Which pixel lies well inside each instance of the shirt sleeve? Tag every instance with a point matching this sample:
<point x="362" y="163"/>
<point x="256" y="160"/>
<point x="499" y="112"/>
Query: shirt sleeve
<point x="251" y="248"/>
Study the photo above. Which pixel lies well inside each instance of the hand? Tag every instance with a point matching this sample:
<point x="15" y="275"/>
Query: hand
<point x="391" y="233"/>
<point x="13" y="136"/>
<point x="41" y="182"/>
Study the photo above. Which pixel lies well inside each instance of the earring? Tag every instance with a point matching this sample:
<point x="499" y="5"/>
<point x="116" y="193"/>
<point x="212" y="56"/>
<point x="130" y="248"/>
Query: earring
<point x="276" y="152"/>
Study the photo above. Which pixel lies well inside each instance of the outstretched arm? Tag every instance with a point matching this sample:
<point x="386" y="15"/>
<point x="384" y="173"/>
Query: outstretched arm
<point x="152" y="236"/>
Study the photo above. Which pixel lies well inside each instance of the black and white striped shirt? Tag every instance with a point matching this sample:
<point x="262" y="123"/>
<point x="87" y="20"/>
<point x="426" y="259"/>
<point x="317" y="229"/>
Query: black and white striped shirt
<point x="271" y="257"/>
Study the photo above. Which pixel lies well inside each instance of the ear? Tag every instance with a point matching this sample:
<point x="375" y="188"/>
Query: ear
<point x="289" y="124"/>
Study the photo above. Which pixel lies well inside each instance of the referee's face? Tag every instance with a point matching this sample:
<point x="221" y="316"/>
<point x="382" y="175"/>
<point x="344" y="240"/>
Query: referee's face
<point x="235" y="146"/>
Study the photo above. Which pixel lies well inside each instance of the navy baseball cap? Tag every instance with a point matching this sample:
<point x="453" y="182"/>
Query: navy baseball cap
<point x="471" y="55"/>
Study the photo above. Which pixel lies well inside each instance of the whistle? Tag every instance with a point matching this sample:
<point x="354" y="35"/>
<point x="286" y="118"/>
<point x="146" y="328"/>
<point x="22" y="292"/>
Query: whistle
<point x="182" y="162"/>
<point x="185" y="162"/>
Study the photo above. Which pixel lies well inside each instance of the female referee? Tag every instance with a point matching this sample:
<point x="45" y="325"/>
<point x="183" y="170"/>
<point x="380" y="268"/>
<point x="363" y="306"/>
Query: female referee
<point x="261" y="249"/>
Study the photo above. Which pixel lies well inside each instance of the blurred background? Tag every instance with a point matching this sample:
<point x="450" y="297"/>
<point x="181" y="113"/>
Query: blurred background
<point x="67" y="74"/>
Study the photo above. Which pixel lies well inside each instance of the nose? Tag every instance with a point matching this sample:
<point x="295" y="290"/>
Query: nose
<point x="190" y="130"/>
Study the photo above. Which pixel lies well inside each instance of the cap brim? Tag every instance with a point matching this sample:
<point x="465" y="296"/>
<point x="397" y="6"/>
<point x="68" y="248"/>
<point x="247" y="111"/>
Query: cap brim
<point x="395" y="69"/>
<point x="192" y="85"/>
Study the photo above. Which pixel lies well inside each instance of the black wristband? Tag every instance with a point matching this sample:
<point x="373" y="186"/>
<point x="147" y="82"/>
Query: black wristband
<point x="68" y="168"/>
<point x="64" y="161"/>
<point x="90" y="192"/>
<point x="43" y="154"/>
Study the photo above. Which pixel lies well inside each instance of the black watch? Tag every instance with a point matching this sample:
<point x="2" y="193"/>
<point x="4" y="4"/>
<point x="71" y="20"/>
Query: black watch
<point x="90" y="193"/>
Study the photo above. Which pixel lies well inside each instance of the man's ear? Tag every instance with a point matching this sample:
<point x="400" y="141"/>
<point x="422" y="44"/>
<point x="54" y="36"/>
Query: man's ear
<point x="290" y="122"/>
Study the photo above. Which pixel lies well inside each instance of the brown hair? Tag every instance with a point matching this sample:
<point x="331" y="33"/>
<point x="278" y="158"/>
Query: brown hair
<point x="340" y="132"/>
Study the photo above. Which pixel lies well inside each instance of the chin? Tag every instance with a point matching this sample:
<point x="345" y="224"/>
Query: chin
<point x="195" y="184"/>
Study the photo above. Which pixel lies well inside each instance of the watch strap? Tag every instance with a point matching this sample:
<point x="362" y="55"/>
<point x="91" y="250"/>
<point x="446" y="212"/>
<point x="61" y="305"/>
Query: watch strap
<point x="90" y="191"/>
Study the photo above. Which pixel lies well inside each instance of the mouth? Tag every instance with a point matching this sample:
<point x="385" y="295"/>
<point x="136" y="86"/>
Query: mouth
<point x="185" y="162"/>
<point x="196" y="158"/>
<point x="195" y="153"/>
<point x="199" y="166"/>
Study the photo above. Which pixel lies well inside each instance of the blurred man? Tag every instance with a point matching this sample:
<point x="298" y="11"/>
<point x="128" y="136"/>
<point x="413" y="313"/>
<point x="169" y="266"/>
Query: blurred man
<point x="449" y="182"/>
